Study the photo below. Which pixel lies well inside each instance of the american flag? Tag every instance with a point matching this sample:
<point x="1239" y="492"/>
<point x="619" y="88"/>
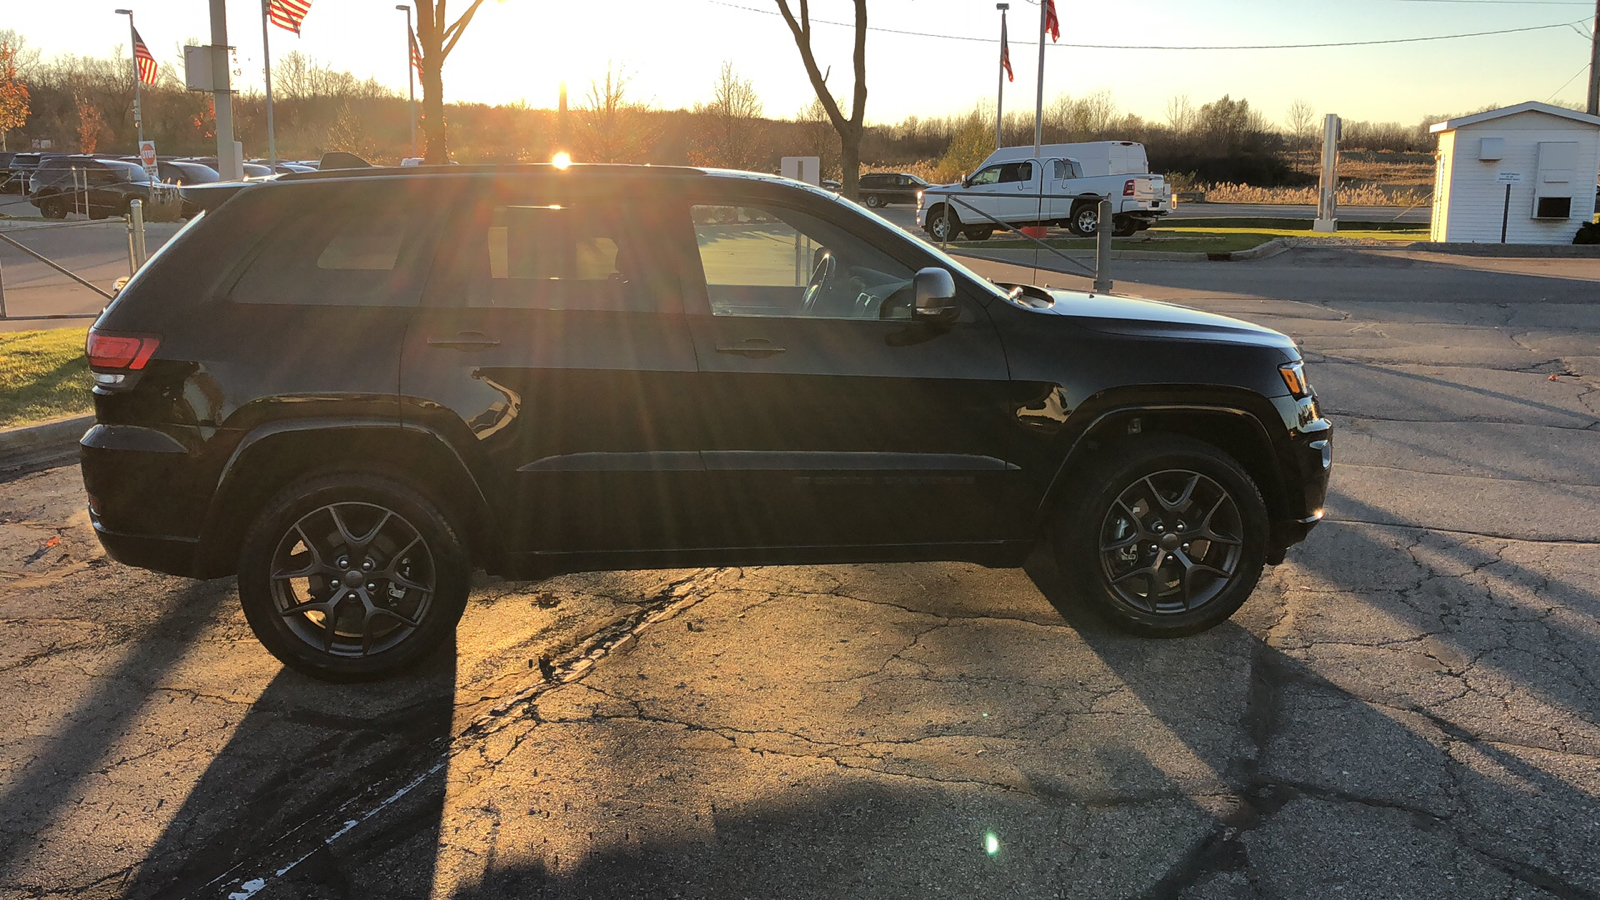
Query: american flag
<point x="416" y="54"/>
<point x="1005" y="51"/>
<point x="143" y="59"/>
<point x="288" y="13"/>
<point x="1052" y="25"/>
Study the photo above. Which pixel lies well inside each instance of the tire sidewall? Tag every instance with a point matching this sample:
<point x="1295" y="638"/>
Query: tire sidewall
<point x="451" y="566"/>
<point x="1077" y="534"/>
<point x="1075" y="225"/>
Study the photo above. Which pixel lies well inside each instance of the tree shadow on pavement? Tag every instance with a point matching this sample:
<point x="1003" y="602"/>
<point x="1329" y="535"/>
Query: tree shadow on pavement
<point x="1380" y="757"/>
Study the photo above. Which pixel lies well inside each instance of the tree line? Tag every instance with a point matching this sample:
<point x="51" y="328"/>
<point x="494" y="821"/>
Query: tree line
<point x="84" y="103"/>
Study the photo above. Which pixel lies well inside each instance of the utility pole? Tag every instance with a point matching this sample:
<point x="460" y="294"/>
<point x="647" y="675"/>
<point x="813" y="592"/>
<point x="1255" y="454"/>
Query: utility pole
<point x="1038" y="106"/>
<point x="1594" y="63"/>
<point x="228" y="162"/>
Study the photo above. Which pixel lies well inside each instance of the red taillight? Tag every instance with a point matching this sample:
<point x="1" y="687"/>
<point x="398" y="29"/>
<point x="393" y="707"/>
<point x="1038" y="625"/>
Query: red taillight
<point x="109" y="350"/>
<point x="1127" y="188"/>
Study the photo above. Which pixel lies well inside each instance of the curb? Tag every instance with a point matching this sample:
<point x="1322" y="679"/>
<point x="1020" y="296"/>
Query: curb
<point x="1263" y="251"/>
<point x="49" y="441"/>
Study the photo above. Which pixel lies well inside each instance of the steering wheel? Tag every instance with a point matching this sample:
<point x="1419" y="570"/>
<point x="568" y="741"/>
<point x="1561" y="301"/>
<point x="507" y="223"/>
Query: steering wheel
<point x="820" y="276"/>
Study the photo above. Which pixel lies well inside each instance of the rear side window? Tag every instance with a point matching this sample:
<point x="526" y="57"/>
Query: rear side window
<point x="579" y="254"/>
<point x="353" y="254"/>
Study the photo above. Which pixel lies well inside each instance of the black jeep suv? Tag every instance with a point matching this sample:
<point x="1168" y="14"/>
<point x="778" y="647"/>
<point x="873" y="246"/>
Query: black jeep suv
<point x="883" y="188"/>
<point x="350" y="388"/>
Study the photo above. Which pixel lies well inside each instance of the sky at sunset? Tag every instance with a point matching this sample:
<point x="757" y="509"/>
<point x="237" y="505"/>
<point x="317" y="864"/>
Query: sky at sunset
<point x="523" y="49"/>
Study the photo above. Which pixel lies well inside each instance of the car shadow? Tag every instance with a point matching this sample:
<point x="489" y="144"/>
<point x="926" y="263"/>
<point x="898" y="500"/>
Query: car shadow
<point x="302" y="753"/>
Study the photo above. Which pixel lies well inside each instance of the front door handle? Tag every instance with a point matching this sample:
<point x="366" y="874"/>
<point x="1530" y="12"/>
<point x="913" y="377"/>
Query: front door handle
<point x="755" y="348"/>
<point x="465" y="340"/>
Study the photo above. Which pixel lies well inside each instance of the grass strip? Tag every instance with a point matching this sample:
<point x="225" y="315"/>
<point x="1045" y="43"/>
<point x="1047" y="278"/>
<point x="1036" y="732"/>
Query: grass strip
<point x="43" y="374"/>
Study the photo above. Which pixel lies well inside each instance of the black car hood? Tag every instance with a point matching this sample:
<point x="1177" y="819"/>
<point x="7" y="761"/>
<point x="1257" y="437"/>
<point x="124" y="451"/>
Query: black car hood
<point x="1152" y="318"/>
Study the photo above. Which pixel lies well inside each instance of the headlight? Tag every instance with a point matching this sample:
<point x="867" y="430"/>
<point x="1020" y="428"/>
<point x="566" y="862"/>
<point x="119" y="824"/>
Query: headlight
<point x="1294" y="378"/>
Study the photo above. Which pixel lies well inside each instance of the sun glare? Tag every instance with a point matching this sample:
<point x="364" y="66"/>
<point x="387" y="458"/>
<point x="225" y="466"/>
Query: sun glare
<point x="561" y="160"/>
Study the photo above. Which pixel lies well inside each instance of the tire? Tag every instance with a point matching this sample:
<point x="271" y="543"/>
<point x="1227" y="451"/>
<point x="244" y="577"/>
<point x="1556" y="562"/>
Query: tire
<point x="409" y="606"/>
<point x="874" y="201"/>
<point x="941" y="224"/>
<point x="1124" y="226"/>
<point x="1119" y="544"/>
<point x="53" y="208"/>
<point x="978" y="234"/>
<point x="1085" y="219"/>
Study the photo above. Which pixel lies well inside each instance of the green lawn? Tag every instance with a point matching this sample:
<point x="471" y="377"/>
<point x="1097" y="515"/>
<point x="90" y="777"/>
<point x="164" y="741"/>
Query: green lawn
<point x="1164" y="239"/>
<point x="42" y="375"/>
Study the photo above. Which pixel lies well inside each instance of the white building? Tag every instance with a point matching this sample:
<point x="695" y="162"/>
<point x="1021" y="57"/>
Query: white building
<point x="1545" y="156"/>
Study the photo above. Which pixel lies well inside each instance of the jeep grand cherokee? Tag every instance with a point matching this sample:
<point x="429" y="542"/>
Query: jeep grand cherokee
<point x="350" y="388"/>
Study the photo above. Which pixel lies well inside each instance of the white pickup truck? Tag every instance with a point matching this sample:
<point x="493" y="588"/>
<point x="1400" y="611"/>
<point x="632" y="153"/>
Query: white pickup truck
<point x="1062" y="186"/>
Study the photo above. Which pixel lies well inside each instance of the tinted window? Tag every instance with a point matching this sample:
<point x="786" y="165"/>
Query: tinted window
<point x="577" y="255"/>
<point x="769" y="260"/>
<point x="347" y="255"/>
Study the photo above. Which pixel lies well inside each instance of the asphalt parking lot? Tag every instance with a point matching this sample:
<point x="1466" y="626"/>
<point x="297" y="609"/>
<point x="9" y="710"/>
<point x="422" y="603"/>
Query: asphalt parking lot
<point x="1407" y="707"/>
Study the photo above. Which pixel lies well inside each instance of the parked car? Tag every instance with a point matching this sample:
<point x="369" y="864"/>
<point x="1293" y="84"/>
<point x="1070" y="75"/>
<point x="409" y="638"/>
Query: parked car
<point x="21" y="169"/>
<point x="542" y="370"/>
<point x="181" y="172"/>
<point x="1055" y="188"/>
<point x="98" y="187"/>
<point x="251" y="170"/>
<point x="883" y="188"/>
<point x="281" y="167"/>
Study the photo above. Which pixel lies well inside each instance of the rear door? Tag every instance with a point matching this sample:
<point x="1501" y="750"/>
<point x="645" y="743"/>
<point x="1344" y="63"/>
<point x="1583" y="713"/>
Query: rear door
<point x="830" y="419"/>
<point x="552" y="350"/>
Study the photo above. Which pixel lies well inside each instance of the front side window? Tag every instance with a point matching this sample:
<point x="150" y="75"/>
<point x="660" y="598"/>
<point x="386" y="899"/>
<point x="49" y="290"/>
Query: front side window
<point x="771" y="260"/>
<point x="990" y="175"/>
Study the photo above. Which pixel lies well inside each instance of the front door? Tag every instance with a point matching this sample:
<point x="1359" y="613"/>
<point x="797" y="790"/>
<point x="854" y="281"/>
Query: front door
<point x="554" y="350"/>
<point x="830" y="419"/>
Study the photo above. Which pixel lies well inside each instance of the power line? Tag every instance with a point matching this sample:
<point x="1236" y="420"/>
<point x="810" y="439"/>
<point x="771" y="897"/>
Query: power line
<point x="1066" y="45"/>
<point x="1574" y="77"/>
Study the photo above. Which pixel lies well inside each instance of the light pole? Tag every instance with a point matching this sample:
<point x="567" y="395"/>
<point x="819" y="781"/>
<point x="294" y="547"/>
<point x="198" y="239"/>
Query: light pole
<point x="411" y="74"/>
<point x="133" y="41"/>
<point x="1000" y="98"/>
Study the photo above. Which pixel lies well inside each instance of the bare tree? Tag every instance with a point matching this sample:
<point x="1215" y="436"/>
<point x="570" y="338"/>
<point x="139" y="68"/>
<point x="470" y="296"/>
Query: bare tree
<point x="733" y="134"/>
<point x="1180" y="114"/>
<point x="1302" y="120"/>
<point x="850" y="129"/>
<point x="612" y="128"/>
<point x="435" y="40"/>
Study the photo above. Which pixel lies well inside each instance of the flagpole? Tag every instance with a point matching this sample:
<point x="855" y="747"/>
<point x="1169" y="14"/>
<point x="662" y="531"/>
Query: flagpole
<point x="266" y="55"/>
<point x="1000" y="98"/>
<point x="133" y="50"/>
<point x="1038" y="108"/>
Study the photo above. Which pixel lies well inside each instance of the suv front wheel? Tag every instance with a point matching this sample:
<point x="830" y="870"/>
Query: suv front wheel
<point x="352" y="577"/>
<point x="1164" y="538"/>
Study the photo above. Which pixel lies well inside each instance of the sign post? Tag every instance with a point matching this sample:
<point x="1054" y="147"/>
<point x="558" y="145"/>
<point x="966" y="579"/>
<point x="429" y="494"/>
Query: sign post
<point x="1507" y="179"/>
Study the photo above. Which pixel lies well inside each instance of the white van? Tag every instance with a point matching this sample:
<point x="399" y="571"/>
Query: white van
<point x="1093" y="157"/>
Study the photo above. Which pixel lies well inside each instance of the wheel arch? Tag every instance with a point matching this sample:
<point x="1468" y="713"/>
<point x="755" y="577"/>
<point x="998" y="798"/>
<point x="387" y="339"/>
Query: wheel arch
<point x="276" y="455"/>
<point x="1227" y="426"/>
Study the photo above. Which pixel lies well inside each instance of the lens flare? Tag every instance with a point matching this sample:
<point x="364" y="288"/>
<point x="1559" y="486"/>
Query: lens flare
<point x="991" y="843"/>
<point x="561" y="160"/>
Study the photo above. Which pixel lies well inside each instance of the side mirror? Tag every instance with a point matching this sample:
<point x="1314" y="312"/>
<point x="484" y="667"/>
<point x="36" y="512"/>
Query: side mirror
<point x="936" y="296"/>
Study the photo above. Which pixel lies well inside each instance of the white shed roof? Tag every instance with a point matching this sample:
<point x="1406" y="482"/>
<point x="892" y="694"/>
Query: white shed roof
<point x="1529" y="106"/>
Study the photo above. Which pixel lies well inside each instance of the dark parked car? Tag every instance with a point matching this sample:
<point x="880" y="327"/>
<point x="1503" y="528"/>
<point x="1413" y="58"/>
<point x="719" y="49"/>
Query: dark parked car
<point x="251" y="170"/>
<point x="98" y="187"/>
<point x="21" y="168"/>
<point x="351" y="387"/>
<point x="883" y="188"/>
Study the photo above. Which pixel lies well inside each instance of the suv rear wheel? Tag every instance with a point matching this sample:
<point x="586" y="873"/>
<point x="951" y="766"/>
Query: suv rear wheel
<point x="1169" y="537"/>
<point x="352" y="577"/>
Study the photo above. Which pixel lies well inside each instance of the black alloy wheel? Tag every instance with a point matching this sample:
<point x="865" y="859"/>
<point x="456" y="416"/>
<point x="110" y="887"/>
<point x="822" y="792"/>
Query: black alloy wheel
<point x="874" y="201"/>
<point x="1124" y="226"/>
<point x="352" y="577"/>
<point x="1170" y="540"/>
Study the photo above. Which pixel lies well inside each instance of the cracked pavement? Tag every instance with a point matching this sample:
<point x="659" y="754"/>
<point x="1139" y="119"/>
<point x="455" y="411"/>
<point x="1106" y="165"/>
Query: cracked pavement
<point x="1407" y="707"/>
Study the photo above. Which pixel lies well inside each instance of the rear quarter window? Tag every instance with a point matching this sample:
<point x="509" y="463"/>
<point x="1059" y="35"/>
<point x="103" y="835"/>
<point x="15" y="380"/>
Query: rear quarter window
<point x="349" y="253"/>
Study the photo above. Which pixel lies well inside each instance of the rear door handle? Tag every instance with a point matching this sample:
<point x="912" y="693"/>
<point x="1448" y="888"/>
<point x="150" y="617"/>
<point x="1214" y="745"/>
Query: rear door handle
<point x="465" y="340"/>
<point x="754" y="348"/>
